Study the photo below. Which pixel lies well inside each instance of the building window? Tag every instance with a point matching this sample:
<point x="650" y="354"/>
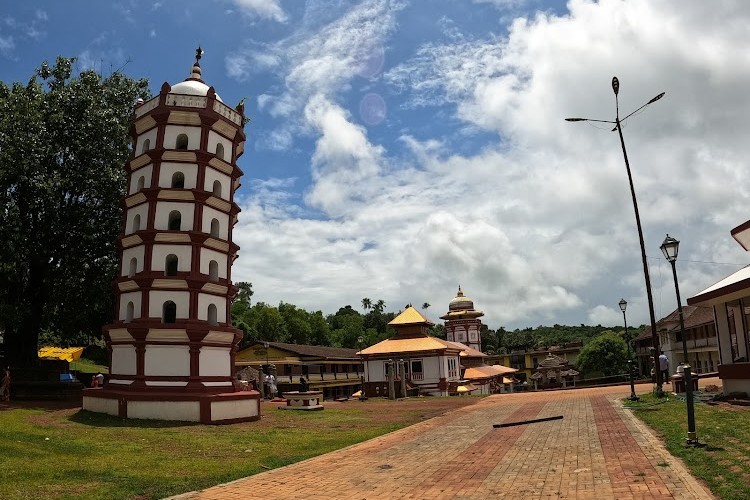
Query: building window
<point x="136" y="223"/>
<point x="212" y="314"/>
<point x="416" y="370"/>
<point x="220" y="150"/>
<point x="182" y="142"/>
<point x="217" y="189"/>
<point x="213" y="270"/>
<point x="129" y="312"/>
<point x="169" y="312"/>
<point x="518" y="361"/>
<point x="178" y="180"/>
<point x="146" y="146"/>
<point x="133" y="267"/>
<point x="140" y="184"/>
<point x="175" y="220"/>
<point x="452" y="367"/>
<point x="215" y="228"/>
<point x="170" y="265"/>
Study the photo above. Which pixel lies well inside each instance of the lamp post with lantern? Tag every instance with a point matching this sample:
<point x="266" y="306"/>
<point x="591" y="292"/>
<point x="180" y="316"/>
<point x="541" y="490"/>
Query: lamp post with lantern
<point x="669" y="248"/>
<point x="633" y="397"/>
<point x="617" y="122"/>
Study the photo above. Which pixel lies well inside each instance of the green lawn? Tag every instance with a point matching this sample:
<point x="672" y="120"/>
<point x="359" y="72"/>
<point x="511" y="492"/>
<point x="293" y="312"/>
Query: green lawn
<point x="724" y="463"/>
<point x="87" y="366"/>
<point x="69" y="453"/>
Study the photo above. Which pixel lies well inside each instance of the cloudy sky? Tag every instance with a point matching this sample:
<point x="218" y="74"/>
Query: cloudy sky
<point x="398" y="149"/>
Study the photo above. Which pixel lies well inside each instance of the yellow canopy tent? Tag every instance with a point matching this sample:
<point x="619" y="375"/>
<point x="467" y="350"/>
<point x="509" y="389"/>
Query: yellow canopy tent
<point x="466" y="389"/>
<point x="68" y="354"/>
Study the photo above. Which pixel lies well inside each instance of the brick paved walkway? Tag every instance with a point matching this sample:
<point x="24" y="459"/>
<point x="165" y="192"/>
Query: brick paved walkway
<point x="597" y="451"/>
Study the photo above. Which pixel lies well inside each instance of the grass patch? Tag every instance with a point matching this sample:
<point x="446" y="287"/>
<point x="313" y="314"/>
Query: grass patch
<point x="73" y="454"/>
<point x="84" y="365"/>
<point x="724" y="464"/>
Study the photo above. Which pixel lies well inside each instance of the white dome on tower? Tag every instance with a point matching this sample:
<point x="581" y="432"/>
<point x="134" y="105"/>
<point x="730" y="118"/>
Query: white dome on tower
<point x="192" y="87"/>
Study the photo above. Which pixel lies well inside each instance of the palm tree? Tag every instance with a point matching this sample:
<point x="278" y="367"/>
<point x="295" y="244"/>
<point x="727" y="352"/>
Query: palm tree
<point x="379" y="306"/>
<point x="366" y="304"/>
<point x="425" y="305"/>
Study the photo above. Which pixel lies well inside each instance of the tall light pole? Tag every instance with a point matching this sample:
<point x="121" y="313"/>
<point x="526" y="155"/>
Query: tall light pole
<point x="617" y="123"/>
<point x="669" y="248"/>
<point x="624" y="305"/>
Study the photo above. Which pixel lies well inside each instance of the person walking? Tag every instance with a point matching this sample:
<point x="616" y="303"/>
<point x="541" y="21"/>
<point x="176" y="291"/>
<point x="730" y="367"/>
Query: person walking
<point x="664" y="366"/>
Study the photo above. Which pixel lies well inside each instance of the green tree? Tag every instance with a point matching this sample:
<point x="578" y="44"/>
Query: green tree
<point x="320" y="332"/>
<point x="366" y="304"/>
<point x="351" y="327"/>
<point x="63" y="145"/>
<point x="379" y="306"/>
<point x="438" y="330"/>
<point x="241" y="302"/>
<point x="518" y="340"/>
<point x="606" y="354"/>
<point x="269" y="323"/>
<point x="296" y="324"/>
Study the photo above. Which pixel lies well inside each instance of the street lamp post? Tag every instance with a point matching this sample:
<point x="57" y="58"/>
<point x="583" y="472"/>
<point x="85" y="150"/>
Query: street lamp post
<point x="623" y="305"/>
<point x="617" y="123"/>
<point x="265" y="346"/>
<point x="669" y="248"/>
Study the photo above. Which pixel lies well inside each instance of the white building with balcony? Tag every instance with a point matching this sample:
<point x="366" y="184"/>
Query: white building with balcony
<point x="431" y="365"/>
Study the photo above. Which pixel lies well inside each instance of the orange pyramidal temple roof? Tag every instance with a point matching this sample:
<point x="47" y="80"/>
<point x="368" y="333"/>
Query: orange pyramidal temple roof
<point x="410" y="317"/>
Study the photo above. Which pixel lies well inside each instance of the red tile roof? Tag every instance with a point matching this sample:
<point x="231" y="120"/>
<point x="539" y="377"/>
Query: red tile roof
<point x="693" y="316"/>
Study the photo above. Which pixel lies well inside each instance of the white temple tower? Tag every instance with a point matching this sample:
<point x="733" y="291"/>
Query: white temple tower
<point x="172" y="344"/>
<point x="462" y="323"/>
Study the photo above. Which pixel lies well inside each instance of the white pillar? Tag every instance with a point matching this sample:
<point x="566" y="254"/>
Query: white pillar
<point x="722" y="332"/>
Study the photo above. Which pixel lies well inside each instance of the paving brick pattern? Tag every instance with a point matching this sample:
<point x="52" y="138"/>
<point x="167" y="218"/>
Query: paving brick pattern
<point x="597" y="451"/>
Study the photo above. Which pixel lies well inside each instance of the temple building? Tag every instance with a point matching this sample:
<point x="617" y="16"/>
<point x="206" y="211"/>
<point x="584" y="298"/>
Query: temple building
<point x="553" y="371"/>
<point x="172" y="344"/>
<point x="462" y="323"/>
<point x="335" y="371"/>
<point x="426" y="364"/>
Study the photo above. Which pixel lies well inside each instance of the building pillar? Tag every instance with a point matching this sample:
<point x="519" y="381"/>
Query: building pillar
<point x="721" y="320"/>
<point x="391" y="380"/>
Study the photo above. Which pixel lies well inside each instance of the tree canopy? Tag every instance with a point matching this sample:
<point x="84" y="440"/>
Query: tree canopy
<point x="63" y="145"/>
<point x="606" y="354"/>
<point x="289" y="323"/>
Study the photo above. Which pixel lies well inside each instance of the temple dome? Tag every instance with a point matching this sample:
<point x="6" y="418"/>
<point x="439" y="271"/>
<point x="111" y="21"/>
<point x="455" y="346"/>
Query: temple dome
<point x="193" y="85"/>
<point x="460" y="302"/>
<point x="461" y="307"/>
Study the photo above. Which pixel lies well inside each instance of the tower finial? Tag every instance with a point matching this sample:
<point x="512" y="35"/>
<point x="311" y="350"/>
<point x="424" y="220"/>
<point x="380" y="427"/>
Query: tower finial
<point x="195" y="72"/>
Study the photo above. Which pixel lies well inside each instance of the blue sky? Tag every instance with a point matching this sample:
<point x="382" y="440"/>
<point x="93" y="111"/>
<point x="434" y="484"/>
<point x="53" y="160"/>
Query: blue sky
<point x="398" y="149"/>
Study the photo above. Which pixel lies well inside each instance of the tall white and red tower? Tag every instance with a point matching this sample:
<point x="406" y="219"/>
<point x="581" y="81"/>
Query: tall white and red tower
<point x="172" y="344"/>
<point x="462" y="323"/>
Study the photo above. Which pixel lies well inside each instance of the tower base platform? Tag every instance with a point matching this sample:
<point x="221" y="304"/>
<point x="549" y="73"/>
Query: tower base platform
<point x="222" y="408"/>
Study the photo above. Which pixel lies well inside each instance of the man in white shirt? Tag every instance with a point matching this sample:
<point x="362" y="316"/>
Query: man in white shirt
<point x="664" y="366"/>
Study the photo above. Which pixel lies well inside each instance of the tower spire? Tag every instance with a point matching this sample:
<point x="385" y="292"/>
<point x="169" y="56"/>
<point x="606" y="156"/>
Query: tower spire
<point x="195" y="73"/>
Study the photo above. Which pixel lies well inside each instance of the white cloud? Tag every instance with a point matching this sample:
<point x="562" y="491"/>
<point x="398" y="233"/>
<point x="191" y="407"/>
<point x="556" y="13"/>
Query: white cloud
<point x="604" y="315"/>
<point x="263" y="9"/>
<point x="319" y="59"/>
<point x="344" y="161"/>
<point x="6" y="45"/>
<point x="537" y="227"/>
